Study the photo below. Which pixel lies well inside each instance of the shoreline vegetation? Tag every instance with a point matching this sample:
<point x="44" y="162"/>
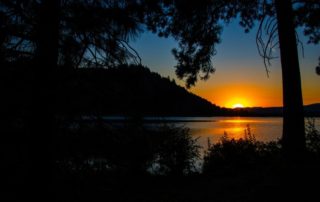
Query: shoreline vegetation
<point x="134" y="163"/>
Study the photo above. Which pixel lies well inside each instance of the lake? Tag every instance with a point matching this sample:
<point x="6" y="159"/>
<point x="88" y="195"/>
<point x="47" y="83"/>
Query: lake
<point x="264" y="128"/>
<point x="213" y="128"/>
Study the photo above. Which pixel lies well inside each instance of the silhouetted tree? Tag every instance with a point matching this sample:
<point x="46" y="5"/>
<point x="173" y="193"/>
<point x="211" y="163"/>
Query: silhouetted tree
<point x="92" y="33"/>
<point x="293" y="119"/>
<point x="41" y="127"/>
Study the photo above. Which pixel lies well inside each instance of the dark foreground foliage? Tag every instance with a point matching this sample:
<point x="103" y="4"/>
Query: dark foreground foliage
<point x="312" y="137"/>
<point x="231" y="155"/>
<point x="139" y="163"/>
<point x="126" y="149"/>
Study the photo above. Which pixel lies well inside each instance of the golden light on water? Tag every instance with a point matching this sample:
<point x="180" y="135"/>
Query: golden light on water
<point x="264" y="129"/>
<point x="240" y="120"/>
<point x="234" y="127"/>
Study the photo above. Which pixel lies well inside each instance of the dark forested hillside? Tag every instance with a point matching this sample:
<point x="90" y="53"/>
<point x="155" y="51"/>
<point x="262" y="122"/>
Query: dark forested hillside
<point x="128" y="90"/>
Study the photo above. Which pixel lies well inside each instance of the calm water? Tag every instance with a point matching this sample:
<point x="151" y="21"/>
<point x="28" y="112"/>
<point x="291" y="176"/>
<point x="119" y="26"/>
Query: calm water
<point x="264" y="128"/>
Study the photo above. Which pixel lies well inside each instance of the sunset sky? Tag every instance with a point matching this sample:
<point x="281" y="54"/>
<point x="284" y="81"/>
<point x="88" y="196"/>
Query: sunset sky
<point x="240" y="77"/>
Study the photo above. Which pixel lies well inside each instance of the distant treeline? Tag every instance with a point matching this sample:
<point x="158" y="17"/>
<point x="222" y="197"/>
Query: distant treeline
<point x="312" y="110"/>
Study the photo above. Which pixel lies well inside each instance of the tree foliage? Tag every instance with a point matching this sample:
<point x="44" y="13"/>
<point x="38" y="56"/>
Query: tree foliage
<point x="198" y="25"/>
<point x="90" y="32"/>
<point x="97" y="33"/>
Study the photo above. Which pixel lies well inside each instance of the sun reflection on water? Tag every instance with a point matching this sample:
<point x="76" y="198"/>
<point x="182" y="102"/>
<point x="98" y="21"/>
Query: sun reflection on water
<point x="264" y="129"/>
<point x="234" y="127"/>
<point x="239" y="120"/>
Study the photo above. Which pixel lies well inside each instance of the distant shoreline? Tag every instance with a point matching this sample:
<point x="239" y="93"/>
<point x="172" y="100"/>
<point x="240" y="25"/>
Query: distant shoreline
<point x="173" y="119"/>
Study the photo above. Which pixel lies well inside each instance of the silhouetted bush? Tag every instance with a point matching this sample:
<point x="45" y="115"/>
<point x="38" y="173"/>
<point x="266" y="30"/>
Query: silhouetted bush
<point x="238" y="155"/>
<point x="312" y="137"/>
<point x="177" y="152"/>
<point x="126" y="148"/>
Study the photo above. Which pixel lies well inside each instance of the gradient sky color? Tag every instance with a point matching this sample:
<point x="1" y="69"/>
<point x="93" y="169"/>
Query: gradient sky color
<point x="240" y="76"/>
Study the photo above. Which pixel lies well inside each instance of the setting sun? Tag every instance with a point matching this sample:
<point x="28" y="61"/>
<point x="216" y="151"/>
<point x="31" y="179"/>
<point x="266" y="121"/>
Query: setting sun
<point x="238" y="105"/>
<point x="237" y="102"/>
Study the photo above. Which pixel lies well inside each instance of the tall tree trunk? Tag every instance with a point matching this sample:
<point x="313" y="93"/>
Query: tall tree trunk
<point x="293" y="139"/>
<point x="42" y="109"/>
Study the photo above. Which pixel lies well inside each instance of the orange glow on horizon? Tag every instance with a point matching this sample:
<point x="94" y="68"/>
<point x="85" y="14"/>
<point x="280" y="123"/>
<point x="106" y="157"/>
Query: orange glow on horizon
<point x="252" y="91"/>
<point x="241" y="95"/>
